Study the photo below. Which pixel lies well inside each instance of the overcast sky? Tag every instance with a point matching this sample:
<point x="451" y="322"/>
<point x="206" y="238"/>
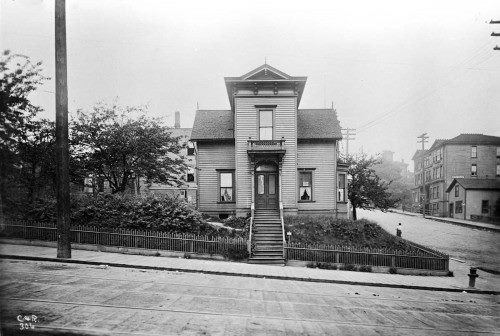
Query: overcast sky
<point x="393" y="69"/>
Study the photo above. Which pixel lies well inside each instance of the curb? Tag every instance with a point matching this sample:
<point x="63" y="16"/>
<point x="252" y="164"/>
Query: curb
<point x="249" y="275"/>
<point x="472" y="226"/>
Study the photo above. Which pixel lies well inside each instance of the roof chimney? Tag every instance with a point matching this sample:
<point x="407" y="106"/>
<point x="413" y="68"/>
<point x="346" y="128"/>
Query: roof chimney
<point x="177" y="120"/>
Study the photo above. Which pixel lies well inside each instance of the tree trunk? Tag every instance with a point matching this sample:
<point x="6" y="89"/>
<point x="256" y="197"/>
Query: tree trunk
<point x="354" y="216"/>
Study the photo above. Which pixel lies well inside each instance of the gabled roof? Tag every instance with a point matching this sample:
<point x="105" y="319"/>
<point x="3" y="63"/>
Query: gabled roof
<point x="213" y="125"/>
<point x="265" y="75"/>
<point x="311" y="124"/>
<point x="472" y="183"/>
<point x="265" y="71"/>
<point x="437" y="143"/>
<point x="318" y="124"/>
<point x="474" y="139"/>
<point x="180" y="132"/>
<point x="419" y="153"/>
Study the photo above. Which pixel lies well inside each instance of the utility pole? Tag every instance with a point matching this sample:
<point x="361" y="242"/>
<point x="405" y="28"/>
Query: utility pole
<point x="347" y="136"/>
<point x="62" y="145"/>
<point x="495" y="34"/>
<point x="423" y="139"/>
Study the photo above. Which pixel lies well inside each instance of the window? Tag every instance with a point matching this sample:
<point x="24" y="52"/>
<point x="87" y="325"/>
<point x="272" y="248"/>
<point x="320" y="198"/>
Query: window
<point x="473" y="169"/>
<point x="473" y="152"/>
<point x="190" y="148"/>
<point x="498" y="151"/>
<point x="266" y="124"/>
<point x="458" y="207"/>
<point x="485" y="206"/>
<point x="498" y="169"/>
<point x="457" y="192"/>
<point x="226" y="190"/>
<point x="190" y="177"/>
<point x="305" y="186"/>
<point x="341" y="193"/>
<point x="437" y="192"/>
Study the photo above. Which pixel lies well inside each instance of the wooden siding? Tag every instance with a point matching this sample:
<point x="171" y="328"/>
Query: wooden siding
<point x="210" y="157"/>
<point x="246" y="124"/>
<point x="322" y="157"/>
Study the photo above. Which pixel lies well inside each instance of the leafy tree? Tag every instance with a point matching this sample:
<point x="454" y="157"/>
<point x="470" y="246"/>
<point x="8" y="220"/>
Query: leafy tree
<point x="18" y="78"/>
<point x="399" y="186"/>
<point x="119" y="144"/>
<point x="37" y="154"/>
<point x="366" y="189"/>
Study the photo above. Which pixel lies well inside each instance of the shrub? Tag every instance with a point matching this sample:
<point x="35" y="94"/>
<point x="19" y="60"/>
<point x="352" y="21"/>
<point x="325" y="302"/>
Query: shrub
<point x="393" y="270"/>
<point x="311" y="264"/>
<point x="328" y="266"/>
<point x="236" y="254"/>
<point x="237" y="222"/>
<point x="151" y="212"/>
<point x="365" y="268"/>
<point x="348" y="267"/>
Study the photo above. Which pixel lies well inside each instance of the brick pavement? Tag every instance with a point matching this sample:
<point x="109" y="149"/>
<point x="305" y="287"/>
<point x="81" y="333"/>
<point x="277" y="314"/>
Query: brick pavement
<point x="485" y="282"/>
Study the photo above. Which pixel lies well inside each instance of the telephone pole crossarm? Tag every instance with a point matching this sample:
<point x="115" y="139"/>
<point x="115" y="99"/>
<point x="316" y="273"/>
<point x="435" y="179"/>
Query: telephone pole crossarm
<point x="346" y="135"/>
<point x="423" y="139"/>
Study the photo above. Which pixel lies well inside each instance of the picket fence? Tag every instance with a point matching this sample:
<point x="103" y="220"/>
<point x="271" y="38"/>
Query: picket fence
<point x="418" y="257"/>
<point x="147" y="239"/>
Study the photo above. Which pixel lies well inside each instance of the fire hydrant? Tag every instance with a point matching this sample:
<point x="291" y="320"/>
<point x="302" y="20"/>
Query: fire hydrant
<point x="472" y="277"/>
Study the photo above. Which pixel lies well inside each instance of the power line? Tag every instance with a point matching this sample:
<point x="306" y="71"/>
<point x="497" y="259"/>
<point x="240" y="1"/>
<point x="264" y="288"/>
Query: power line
<point x="495" y="34"/>
<point x="479" y="52"/>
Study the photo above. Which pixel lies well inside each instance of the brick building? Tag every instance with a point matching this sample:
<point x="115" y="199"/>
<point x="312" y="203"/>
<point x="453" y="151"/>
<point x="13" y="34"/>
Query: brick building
<point x="474" y="156"/>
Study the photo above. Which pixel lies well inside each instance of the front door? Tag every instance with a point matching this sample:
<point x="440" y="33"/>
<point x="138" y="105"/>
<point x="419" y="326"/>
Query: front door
<point x="266" y="190"/>
<point x="451" y="209"/>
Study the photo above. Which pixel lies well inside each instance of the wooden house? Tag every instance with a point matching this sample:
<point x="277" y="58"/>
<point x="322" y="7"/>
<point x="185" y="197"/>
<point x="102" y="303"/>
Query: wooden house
<point x="265" y="157"/>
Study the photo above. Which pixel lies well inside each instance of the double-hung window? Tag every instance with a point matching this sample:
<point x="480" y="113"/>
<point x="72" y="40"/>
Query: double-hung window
<point x="266" y="125"/>
<point x="473" y="169"/>
<point x="485" y="206"/>
<point x="190" y="148"/>
<point x="342" y="189"/>
<point x="457" y="192"/>
<point x="305" y="186"/>
<point x="226" y="189"/>
<point x="473" y="152"/>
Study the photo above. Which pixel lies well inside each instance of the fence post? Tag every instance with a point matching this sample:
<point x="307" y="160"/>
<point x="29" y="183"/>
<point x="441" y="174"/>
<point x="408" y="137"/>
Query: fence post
<point x="393" y="261"/>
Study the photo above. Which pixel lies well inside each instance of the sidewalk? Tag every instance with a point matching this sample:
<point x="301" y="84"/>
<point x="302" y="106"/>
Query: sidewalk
<point x="462" y="222"/>
<point x="486" y="283"/>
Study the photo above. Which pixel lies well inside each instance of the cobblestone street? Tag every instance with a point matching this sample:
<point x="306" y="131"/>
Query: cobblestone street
<point x="476" y="247"/>
<point x="78" y="299"/>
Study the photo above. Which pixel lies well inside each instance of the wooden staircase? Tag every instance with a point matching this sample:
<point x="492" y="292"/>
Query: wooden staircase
<point x="267" y="238"/>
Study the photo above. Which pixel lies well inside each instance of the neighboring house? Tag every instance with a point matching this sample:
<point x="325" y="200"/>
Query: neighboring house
<point x="187" y="189"/>
<point x="266" y="154"/>
<point x="474" y="199"/>
<point x="475" y="156"/>
<point x="265" y="150"/>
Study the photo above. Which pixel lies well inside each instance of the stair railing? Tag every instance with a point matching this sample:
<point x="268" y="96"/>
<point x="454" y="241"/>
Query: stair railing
<point x="252" y="216"/>
<point x="283" y="230"/>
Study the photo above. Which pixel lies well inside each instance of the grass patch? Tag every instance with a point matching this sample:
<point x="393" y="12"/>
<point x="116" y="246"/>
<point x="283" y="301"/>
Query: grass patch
<point x="323" y="229"/>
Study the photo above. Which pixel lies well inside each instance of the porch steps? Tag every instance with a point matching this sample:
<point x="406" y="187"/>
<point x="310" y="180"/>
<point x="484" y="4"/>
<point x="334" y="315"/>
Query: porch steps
<point x="267" y="238"/>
